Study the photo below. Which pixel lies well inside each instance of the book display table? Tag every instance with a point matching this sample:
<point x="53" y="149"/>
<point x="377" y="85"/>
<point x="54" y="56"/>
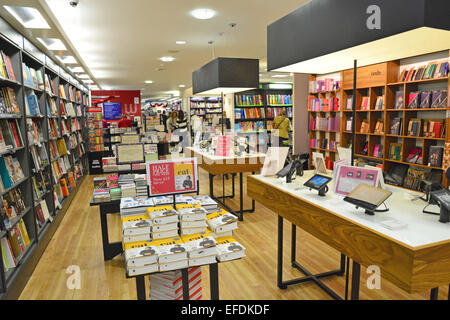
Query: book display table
<point x="215" y="165"/>
<point x="415" y="258"/>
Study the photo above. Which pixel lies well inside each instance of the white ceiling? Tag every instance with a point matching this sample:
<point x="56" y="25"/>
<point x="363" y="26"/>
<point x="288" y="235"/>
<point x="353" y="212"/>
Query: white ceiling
<point x="120" y="41"/>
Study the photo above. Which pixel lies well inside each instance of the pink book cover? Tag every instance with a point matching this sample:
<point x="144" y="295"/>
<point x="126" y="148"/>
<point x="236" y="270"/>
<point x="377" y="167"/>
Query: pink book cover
<point x="223" y="146"/>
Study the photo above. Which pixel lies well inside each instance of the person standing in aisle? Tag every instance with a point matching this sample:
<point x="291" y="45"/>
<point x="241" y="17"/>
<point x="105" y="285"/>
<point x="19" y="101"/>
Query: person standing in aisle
<point x="172" y="122"/>
<point x="163" y="120"/>
<point x="281" y="126"/>
<point x="125" y="122"/>
<point x="182" y="131"/>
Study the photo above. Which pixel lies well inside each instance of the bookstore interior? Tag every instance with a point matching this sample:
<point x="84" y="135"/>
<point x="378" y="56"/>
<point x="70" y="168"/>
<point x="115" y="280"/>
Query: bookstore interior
<point x="117" y="187"/>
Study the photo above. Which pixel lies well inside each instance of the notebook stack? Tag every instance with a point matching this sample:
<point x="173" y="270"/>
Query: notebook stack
<point x="221" y="223"/>
<point x="169" y="285"/>
<point x="164" y="222"/>
<point x="192" y="220"/>
<point x="134" y="206"/>
<point x="141" y="186"/>
<point x="201" y="249"/>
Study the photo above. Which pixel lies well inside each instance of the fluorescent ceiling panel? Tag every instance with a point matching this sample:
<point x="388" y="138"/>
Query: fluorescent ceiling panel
<point x="29" y="17"/>
<point x="67" y="59"/>
<point x="52" y="43"/>
<point x="407" y="44"/>
<point x="77" y="70"/>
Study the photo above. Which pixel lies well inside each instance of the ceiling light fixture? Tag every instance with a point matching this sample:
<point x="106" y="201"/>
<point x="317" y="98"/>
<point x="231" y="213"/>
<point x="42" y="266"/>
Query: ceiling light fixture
<point x="180" y="42"/>
<point x="167" y="59"/>
<point x="148" y="81"/>
<point x="181" y="86"/>
<point x="77" y="70"/>
<point x="84" y="76"/>
<point x="52" y="43"/>
<point x="67" y="59"/>
<point x="203" y="13"/>
<point x="280" y="76"/>
<point x="29" y="17"/>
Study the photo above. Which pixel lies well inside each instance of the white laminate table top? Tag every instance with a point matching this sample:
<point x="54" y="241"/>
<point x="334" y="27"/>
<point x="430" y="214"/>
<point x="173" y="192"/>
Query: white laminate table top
<point x="211" y="156"/>
<point x="422" y="229"/>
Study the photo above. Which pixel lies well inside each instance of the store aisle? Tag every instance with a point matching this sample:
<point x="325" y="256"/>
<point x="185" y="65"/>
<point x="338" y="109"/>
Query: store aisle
<point x="77" y="242"/>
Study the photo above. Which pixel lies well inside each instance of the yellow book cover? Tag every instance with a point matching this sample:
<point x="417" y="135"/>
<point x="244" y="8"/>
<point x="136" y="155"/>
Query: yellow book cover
<point x="196" y="236"/>
<point x="139" y="244"/>
<point x="219" y="214"/>
<point x="23" y="230"/>
<point x="187" y="206"/>
<point x="135" y="218"/>
<point x="160" y="208"/>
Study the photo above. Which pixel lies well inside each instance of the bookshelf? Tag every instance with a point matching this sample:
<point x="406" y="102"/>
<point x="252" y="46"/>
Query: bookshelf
<point x="32" y="113"/>
<point x="380" y="91"/>
<point x="206" y="108"/>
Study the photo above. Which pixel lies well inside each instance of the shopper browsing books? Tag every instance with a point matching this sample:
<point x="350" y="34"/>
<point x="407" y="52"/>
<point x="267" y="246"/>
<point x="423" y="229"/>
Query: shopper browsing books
<point x="172" y="122"/>
<point x="282" y="126"/>
<point x="125" y="122"/>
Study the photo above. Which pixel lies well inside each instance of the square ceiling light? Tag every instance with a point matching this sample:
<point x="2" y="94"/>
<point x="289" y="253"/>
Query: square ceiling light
<point x="29" y="17"/>
<point x="67" y="59"/>
<point x="84" y="76"/>
<point x="77" y="70"/>
<point x="52" y="43"/>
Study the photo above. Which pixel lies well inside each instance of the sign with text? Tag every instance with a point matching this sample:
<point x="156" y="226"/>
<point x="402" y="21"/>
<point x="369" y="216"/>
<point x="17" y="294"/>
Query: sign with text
<point x="172" y="176"/>
<point x="112" y="110"/>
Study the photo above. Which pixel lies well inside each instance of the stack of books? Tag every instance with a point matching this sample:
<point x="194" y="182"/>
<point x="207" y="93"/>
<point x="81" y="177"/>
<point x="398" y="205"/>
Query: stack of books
<point x="164" y="221"/>
<point x="141" y="186"/>
<point x="128" y="190"/>
<point x="169" y="285"/>
<point x="113" y="181"/>
<point x="221" y="223"/>
<point x="100" y="183"/>
<point x="201" y="249"/>
<point x="101" y="195"/>
<point x="136" y="228"/>
<point x="229" y="249"/>
<point x="140" y="258"/>
<point x="109" y="164"/>
<point x="172" y="253"/>
<point x="115" y="193"/>
<point x="134" y="206"/>
<point x="205" y="202"/>
<point x="192" y="220"/>
<point x="168" y="200"/>
<point x="126" y="179"/>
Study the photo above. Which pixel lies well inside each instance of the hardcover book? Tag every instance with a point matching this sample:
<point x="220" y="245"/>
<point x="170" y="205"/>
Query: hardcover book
<point x="436" y="155"/>
<point x="425" y="99"/>
<point x="395" y="126"/>
<point x="414" y="100"/>
<point x="399" y="100"/>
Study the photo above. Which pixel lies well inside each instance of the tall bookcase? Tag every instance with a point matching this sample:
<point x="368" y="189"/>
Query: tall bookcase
<point x="205" y="108"/>
<point x="24" y="55"/>
<point x="378" y="88"/>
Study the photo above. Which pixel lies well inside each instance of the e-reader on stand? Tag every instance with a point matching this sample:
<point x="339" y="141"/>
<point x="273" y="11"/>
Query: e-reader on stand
<point x="320" y="183"/>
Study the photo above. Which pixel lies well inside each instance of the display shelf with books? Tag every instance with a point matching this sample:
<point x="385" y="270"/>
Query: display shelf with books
<point x="30" y="124"/>
<point x="206" y="108"/>
<point x="401" y="120"/>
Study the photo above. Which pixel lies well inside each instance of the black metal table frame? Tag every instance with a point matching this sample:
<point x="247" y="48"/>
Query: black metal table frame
<point x="213" y="283"/>
<point x="221" y="199"/>
<point x="308" y="275"/>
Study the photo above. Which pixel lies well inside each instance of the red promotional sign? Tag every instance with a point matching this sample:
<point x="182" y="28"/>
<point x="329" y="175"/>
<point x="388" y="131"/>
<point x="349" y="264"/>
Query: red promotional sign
<point x="172" y="176"/>
<point x="95" y="109"/>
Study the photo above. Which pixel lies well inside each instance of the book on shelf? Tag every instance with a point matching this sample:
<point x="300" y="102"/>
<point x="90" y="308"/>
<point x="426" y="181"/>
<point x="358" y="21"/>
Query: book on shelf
<point x="364" y="126"/>
<point x="249" y="100"/>
<point x="365" y="103"/>
<point x="14" y="203"/>
<point x="379" y="126"/>
<point x="62" y="92"/>
<point x="446" y="156"/>
<point x="349" y="103"/>
<point x="414" y="100"/>
<point x="414" y="156"/>
<point x="433" y="70"/>
<point x="439" y="99"/>
<point x="396" y="126"/>
<point x="34" y="132"/>
<point x="274" y="99"/>
<point x="9" y="101"/>
<point x="434" y="128"/>
<point x="349" y="124"/>
<point x="323" y="85"/>
<point x="10" y="135"/>
<point x="425" y="99"/>
<point x="6" y="67"/>
<point x="414" y="127"/>
<point x="395" y="151"/>
<point x="435" y="156"/>
<point x="399" y="100"/>
<point x="10" y="171"/>
<point x="379" y="103"/>
<point x="378" y="151"/>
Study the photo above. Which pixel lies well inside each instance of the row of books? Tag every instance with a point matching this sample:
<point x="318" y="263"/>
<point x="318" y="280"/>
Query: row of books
<point x="41" y="184"/>
<point x="325" y="104"/>
<point x="14" y="245"/>
<point x="53" y="128"/>
<point x="415" y="155"/>
<point x="274" y="99"/>
<point x="249" y="113"/>
<point x="249" y="100"/>
<point x="422" y="99"/>
<point x="42" y="214"/>
<point x="6" y="68"/>
<point x="8" y="101"/>
<point x="58" y="148"/>
<point x="13" y="205"/>
<point x="365" y="104"/>
<point x="275" y="112"/>
<point x="432" y="129"/>
<point x="169" y="285"/>
<point x="32" y="107"/>
<point x="32" y="77"/>
<point x="67" y="109"/>
<point x="60" y="167"/>
<point x="39" y="156"/>
<point x="204" y="105"/>
<point x="433" y="70"/>
<point x="10" y="136"/>
<point x="10" y="172"/>
<point x="327" y="84"/>
<point x="247" y="126"/>
<point x="324" y="144"/>
<point x="325" y="124"/>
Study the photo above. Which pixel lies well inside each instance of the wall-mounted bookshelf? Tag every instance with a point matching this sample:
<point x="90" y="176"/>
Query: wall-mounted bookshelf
<point x="40" y="164"/>
<point x="401" y="117"/>
<point x="206" y="108"/>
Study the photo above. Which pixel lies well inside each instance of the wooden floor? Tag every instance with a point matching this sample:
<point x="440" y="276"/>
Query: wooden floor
<point x="78" y="242"/>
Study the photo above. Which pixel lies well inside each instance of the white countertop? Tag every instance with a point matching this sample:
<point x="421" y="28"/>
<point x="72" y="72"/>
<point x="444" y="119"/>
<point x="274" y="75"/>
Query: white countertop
<point x="422" y="229"/>
<point x="211" y="156"/>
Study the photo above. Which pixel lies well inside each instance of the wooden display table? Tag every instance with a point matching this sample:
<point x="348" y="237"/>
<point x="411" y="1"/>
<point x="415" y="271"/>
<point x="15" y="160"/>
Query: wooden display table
<point x="415" y="258"/>
<point x="233" y="165"/>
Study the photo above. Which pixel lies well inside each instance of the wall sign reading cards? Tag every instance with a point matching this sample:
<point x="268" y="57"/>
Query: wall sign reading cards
<point x="172" y="176"/>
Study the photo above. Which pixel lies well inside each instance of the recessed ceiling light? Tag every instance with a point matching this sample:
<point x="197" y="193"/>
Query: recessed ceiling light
<point x="77" y="70"/>
<point x="84" y="76"/>
<point x="203" y="13"/>
<point x="52" y="43"/>
<point x="67" y="59"/>
<point x="87" y="81"/>
<point x="29" y="17"/>
<point x="182" y="86"/>
<point x="148" y="81"/>
<point x="280" y="76"/>
<point x="180" y="42"/>
<point x="167" y="59"/>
